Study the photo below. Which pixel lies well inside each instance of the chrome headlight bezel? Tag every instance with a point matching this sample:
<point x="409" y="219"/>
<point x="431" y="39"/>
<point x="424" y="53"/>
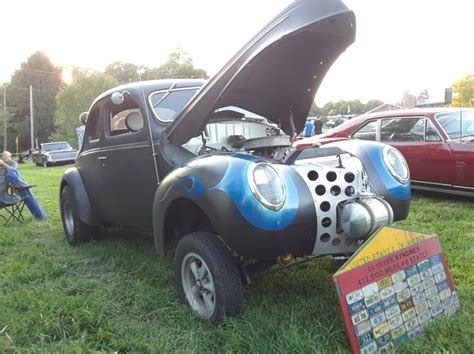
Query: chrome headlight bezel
<point x="386" y="158"/>
<point x="255" y="189"/>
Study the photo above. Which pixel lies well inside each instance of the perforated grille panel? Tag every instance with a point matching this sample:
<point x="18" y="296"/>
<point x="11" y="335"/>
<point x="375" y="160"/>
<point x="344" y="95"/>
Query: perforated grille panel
<point x="330" y="185"/>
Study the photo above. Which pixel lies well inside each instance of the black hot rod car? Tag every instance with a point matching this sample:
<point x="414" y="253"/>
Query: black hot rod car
<point x="210" y="168"/>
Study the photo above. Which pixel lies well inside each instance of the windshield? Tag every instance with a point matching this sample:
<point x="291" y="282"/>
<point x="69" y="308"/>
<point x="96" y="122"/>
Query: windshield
<point x="56" y="146"/>
<point x="168" y="104"/>
<point x="457" y="124"/>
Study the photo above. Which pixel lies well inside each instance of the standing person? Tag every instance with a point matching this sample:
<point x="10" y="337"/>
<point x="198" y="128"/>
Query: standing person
<point x="318" y="125"/>
<point x="80" y="130"/>
<point x="308" y="128"/>
<point x="9" y="174"/>
<point x="339" y="120"/>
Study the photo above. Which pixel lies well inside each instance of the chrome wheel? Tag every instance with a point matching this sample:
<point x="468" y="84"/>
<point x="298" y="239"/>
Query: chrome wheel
<point x="198" y="285"/>
<point x="68" y="218"/>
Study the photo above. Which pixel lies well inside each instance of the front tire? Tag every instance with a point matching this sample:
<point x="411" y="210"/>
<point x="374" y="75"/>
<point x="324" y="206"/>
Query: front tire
<point x="206" y="277"/>
<point x="46" y="163"/>
<point x="75" y="231"/>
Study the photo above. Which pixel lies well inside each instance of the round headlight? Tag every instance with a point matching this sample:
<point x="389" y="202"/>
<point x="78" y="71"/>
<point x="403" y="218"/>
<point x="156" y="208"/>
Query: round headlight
<point x="396" y="164"/>
<point x="267" y="185"/>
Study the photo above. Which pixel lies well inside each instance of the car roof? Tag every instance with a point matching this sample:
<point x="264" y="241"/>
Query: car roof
<point x="149" y="86"/>
<point x="410" y="112"/>
<point x="399" y="113"/>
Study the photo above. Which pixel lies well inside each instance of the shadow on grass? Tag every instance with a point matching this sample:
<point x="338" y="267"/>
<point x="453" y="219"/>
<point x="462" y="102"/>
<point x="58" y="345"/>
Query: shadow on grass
<point x="439" y="196"/>
<point x="303" y="291"/>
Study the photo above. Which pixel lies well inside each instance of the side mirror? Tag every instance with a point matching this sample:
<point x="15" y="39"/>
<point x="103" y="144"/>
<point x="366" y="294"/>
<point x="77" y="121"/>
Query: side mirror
<point x="134" y="121"/>
<point x="117" y="98"/>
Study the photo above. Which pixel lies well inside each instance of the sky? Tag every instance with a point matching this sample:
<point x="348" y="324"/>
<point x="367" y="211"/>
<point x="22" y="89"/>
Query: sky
<point x="400" y="44"/>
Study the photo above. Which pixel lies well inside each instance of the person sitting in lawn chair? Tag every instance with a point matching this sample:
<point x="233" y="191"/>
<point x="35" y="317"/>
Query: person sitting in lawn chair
<point x="10" y="175"/>
<point x="6" y="163"/>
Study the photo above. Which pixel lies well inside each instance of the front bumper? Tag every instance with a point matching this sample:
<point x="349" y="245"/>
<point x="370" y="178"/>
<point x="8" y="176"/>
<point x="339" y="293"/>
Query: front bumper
<point x="56" y="159"/>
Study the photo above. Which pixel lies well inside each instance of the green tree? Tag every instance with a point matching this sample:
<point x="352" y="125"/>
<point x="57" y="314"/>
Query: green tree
<point x="45" y="78"/>
<point x="178" y="66"/>
<point x="463" y="92"/>
<point x="314" y="110"/>
<point x="355" y="107"/>
<point x="328" y="108"/>
<point x="77" y="98"/>
<point x="125" y="72"/>
<point x="341" y="107"/>
<point x="371" y="104"/>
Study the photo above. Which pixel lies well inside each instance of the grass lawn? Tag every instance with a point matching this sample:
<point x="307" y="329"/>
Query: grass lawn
<point x="115" y="294"/>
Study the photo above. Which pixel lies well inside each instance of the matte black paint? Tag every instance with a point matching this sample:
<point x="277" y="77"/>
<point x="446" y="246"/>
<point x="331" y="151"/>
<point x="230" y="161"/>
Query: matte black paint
<point x="73" y="179"/>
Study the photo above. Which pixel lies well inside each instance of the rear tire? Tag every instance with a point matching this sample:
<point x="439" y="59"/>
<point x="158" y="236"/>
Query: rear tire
<point x="75" y="231"/>
<point x="206" y="277"/>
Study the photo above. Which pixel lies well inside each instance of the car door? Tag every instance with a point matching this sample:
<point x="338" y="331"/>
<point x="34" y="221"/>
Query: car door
<point x="427" y="155"/>
<point x="88" y="162"/>
<point x="459" y="129"/>
<point x="129" y="178"/>
<point x="463" y="162"/>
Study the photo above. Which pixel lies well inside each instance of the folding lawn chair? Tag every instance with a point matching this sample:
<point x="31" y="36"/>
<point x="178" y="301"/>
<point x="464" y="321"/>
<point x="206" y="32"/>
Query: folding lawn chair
<point x="13" y="205"/>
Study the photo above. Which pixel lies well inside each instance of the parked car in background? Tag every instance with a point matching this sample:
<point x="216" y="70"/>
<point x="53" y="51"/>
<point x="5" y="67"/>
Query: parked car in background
<point x="54" y="153"/>
<point x="438" y="144"/>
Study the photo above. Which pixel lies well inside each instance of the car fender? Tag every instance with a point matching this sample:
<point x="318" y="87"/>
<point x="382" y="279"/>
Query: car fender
<point x="72" y="178"/>
<point x="174" y="187"/>
<point x="217" y="185"/>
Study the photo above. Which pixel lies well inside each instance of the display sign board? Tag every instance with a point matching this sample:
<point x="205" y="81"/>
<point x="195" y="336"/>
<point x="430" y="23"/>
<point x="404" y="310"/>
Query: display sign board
<point x="392" y="287"/>
<point x="440" y="97"/>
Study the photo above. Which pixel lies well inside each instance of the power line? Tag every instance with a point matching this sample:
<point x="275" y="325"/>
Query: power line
<point x="34" y="89"/>
<point x="56" y="74"/>
<point x="40" y="71"/>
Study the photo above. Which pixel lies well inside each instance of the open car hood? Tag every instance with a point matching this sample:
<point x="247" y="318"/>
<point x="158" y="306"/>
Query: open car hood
<point x="277" y="73"/>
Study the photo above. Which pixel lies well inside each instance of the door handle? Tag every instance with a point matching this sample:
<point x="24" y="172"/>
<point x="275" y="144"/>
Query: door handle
<point x="102" y="158"/>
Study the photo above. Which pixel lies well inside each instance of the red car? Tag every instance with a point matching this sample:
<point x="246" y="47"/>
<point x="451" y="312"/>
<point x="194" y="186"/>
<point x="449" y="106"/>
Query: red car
<point x="438" y="144"/>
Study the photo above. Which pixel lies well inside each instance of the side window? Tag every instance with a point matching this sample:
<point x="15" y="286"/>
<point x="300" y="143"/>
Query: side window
<point x="431" y="134"/>
<point x="92" y="125"/>
<point x="402" y="129"/>
<point x="117" y="124"/>
<point x="367" y="132"/>
<point x="451" y="125"/>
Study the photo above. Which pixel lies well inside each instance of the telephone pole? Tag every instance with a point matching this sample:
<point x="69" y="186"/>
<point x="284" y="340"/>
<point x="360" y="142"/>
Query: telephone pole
<point x="32" y="120"/>
<point x="5" y="118"/>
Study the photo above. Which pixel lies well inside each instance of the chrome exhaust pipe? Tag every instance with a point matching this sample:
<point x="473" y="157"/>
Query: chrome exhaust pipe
<point x="361" y="217"/>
